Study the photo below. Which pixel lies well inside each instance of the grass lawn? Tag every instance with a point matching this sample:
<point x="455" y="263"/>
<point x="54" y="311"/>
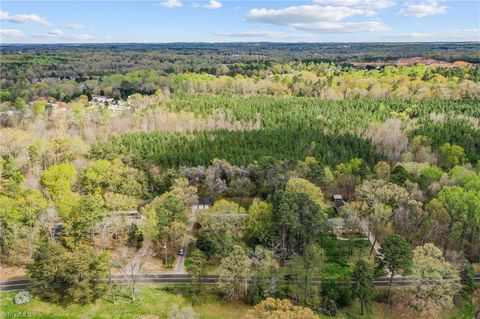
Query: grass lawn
<point x="338" y="262"/>
<point x="383" y="311"/>
<point x="156" y="301"/>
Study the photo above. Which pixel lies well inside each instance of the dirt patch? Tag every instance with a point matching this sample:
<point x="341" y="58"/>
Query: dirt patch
<point x="153" y="265"/>
<point x="12" y="272"/>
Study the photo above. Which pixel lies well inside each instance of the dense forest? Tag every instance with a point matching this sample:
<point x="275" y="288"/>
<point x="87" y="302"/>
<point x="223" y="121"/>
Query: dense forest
<point x="64" y="60"/>
<point x="66" y="72"/>
<point x="219" y="162"/>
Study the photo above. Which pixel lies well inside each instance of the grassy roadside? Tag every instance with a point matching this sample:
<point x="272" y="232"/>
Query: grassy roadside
<point x="157" y="302"/>
<point x="153" y="301"/>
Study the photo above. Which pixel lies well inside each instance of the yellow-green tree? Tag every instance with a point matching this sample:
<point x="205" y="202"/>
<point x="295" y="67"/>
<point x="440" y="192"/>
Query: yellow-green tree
<point x="272" y="308"/>
<point x="436" y="281"/>
<point x="301" y="185"/>
<point x="58" y="181"/>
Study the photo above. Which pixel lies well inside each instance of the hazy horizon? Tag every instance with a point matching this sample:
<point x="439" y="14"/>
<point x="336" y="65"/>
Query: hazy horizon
<point x="233" y="42"/>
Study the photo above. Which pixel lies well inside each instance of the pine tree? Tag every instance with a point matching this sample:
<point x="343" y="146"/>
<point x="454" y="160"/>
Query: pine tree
<point x="397" y="254"/>
<point x="467" y="280"/>
<point x="197" y="269"/>
<point x="362" y="285"/>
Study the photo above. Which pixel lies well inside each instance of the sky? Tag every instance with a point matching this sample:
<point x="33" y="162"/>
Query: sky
<point x="163" y="21"/>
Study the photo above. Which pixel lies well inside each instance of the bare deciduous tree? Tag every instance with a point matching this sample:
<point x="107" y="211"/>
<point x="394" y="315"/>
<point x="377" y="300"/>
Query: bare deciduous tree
<point x="133" y="261"/>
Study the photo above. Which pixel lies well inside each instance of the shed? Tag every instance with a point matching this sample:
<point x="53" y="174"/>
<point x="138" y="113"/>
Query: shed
<point x="338" y="201"/>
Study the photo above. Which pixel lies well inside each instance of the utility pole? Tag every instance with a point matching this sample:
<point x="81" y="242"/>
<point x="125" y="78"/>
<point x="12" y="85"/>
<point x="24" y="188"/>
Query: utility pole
<point x="166" y="254"/>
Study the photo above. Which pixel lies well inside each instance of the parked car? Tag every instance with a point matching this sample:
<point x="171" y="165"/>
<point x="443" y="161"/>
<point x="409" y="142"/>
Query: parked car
<point x="181" y="252"/>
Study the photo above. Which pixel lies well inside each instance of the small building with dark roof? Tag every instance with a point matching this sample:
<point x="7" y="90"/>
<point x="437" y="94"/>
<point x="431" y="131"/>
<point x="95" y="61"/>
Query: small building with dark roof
<point x="338" y="202"/>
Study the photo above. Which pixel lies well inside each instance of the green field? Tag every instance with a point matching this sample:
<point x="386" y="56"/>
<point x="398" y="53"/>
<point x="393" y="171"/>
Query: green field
<point x="157" y="302"/>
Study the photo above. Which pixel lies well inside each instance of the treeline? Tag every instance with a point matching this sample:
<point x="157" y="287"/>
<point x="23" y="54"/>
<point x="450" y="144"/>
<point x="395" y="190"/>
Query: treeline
<point x="84" y="61"/>
<point x="321" y="80"/>
<point x="351" y="114"/>
<point x="241" y="148"/>
<point x="454" y="131"/>
<point x="293" y="128"/>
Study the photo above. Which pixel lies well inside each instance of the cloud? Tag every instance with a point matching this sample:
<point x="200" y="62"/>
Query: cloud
<point x="171" y="3"/>
<point x="370" y="4"/>
<point x="317" y="18"/>
<point x="11" y="33"/>
<point x="55" y="33"/>
<point x="268" y="35"/>
<point x="213" y="4"/>
<point x="302" y="14"/>
<point x="464" y="35"/>
<point x="423" y="9"/>
<point x="242" y="34"/>
<point x="23" y="18"/>
<point x="74" y="26"/>
<point x="344" y="27"/>
<point x="83" y="37"/>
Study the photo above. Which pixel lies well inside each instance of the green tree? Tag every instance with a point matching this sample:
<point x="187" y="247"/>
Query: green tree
<point x="382" y="170"/>
<point x="223" y="206"/>
<point x="177" y="233"/>
<point x="429" y="266"/>
<point x="19" y="207"/>
<point x="305" y="267"/>
<point x="400" y="175"/>
<point x="197" y="268"/>
<point x="349" y="175"/>
<point x="58" y="181"/>
<point x="160" y="213"/>
<point x="259" y="224"/>
<point x="464" y="209"/>
<point x="438" y="221"/>
<point x="298" y="220"/>
<point x="379" y="221"/>
<point x="301" y="185"/>
<point x="60" y="275"/>
<point x="64" y="149"/>
<point x="30" y="204"/>
<point x="452" y="155"/>
<point x="397" y="255"/>
<point x="271" y="308"/>
<point x="112" y="176"/>
<point x="467" y="280"/>
<point x="362" y="285"/>
<point x="10" y="170"/>
<point x="208" y="244"/>
<point x="120" y="202"/>
<point x="234" y="274"/>
<point x="39" y="107"/>
<point x="430" y="173"/>
<point x="20" y="104"/>
<point x="183" y="190"/>
<point x="241" y="187"/>
<point x="85" y="216"/>
<point x="135" y="236"/>
<point x="265" y="274"/>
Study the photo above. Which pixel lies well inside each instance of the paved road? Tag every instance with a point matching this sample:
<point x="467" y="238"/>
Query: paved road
<point x="22" y="284"/>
